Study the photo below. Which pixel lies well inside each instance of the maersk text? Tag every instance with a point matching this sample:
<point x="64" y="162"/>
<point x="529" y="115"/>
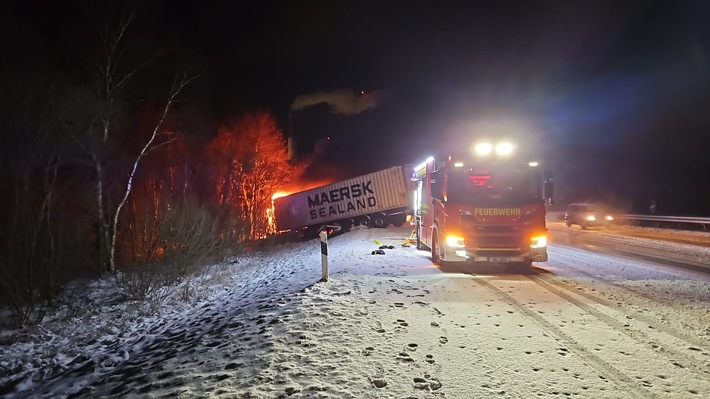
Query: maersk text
<point x="339" y="194"/>
<point x="338" y="209"/>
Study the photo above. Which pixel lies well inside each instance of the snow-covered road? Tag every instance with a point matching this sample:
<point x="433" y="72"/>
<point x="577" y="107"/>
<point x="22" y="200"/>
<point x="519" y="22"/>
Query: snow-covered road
<point x="584" y="324"/>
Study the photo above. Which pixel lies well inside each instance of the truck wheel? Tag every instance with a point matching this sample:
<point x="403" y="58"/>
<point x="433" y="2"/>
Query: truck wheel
<point x="568" y="223"/>
<point x="435" y="249"/>
<point x="523" y="266"/>
<point x="379" y="220"/>
<point x="313" y="231"/>
<point x="398" y="219"/>
<point x="363" y="221"/>
<point x="345" y="225"/>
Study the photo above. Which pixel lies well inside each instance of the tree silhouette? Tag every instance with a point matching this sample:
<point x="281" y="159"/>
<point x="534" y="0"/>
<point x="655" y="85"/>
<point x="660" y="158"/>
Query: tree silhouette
<point x="251" y="164"/>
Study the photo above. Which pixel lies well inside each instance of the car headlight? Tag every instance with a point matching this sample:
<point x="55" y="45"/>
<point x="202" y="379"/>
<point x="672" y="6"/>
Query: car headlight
<point x="591" y="218"/>
<point x="454" y="241"/>
<point x="538" y="242"/>
<point x="609" y="218"/>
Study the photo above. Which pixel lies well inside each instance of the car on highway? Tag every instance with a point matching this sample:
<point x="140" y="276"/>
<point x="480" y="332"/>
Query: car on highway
<point x="587" y="215"/>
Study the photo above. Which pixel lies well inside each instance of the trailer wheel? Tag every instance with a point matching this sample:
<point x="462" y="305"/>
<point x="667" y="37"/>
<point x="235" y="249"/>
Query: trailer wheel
<point x="363" y="220"/>
<point x="345" y="225"/>
<point x="398" y="219"/>
<point x="379" y="220"/>
<point x="313" y="231"/>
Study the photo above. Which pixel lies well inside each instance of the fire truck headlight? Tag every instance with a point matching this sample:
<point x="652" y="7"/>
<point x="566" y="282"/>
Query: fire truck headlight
<point x="609" y="218"/>
<point x="483" y="148"/>
<point x="538" y="242"/>
<point x="591" y="218"/>
<point x="504" y="148"/>
<point x="454" y="241"/>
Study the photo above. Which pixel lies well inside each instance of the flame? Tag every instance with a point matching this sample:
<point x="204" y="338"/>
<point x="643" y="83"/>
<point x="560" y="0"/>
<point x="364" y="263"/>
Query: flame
<point x="279" y="194"/>
<point x="270" y="212"/>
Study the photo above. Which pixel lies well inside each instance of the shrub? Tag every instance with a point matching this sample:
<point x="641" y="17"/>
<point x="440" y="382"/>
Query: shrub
<point x="159" y="253"/>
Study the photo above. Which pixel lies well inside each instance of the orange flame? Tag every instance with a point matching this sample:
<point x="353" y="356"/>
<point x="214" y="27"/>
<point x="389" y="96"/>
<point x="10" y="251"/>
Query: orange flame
<point x="279" y="194"/>
<point x="270" y="212"/>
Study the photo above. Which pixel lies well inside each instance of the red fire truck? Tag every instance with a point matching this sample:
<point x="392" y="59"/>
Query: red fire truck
<point x="487" y="206"/>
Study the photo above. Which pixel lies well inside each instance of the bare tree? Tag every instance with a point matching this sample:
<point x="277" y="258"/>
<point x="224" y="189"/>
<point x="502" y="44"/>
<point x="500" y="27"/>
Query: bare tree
<point x="151" y="143"/>
<point x="112" y="75"/>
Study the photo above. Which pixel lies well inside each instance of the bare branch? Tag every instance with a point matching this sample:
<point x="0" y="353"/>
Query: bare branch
<point x="181" y="80"/>
<point x="112" y="48"/>
<point x="155" y="147"/>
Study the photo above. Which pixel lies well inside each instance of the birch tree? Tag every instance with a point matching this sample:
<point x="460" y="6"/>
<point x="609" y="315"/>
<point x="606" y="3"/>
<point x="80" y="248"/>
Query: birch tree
<point x="112" y="75"/>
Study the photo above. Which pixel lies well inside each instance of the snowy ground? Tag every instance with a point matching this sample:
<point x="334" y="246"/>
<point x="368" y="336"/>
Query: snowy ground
<point x="584" y="325"/>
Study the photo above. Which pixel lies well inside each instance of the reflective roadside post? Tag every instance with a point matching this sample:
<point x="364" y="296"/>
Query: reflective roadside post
<point x="324" y="254"/>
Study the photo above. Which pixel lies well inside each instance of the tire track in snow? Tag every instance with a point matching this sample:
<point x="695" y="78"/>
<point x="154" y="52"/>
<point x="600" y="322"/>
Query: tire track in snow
<point x="605" y="369"/>
<point x="692" y="341"/>
<point x="637" y="334"/>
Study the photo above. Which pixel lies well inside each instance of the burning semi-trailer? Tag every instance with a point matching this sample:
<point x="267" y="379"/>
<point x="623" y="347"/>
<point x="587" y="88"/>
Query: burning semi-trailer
<point x="376" y="199"/>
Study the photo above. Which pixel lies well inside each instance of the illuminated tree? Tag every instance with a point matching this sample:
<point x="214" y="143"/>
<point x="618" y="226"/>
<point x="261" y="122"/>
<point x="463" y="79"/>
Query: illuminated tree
<point x="252" y="164"/>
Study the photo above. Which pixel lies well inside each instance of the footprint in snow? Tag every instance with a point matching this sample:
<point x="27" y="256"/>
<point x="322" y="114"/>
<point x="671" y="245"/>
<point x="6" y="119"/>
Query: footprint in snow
<point x="405" y="357"/>
<point x="379" y="382"/>
<point x="368" y="351"/>
<point x="427" y="383"/>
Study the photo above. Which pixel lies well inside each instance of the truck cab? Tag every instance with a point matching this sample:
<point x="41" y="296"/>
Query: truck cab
<point x="482" y="209"/>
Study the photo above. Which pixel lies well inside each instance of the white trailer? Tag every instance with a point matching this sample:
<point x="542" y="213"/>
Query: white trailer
<point x="376" y="199"/>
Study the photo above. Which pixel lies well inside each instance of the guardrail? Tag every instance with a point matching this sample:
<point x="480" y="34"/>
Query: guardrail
<point x="662" y="221"/>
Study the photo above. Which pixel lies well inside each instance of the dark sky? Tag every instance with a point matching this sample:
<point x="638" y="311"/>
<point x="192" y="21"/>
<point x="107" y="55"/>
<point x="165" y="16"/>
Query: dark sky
<point x="613" y="95"/>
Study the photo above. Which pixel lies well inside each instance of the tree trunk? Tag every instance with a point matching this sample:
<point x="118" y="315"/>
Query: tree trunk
<point x="179" y="83"/>
<point x="102" y="238"/>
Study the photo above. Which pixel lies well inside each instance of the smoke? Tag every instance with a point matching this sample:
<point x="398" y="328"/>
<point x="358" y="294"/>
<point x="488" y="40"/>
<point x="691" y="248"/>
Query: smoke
<point x="343" y="101"/>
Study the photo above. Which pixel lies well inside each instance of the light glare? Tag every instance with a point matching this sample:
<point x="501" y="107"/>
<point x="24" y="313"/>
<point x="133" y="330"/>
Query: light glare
<point x="538" y="242"/>
<point x="504" y="148"/>
<point x="483" y="148"/>
<point x="454" y="241"/>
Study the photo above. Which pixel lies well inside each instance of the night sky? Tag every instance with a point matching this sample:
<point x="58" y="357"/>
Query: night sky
<point x="613" y="95"/>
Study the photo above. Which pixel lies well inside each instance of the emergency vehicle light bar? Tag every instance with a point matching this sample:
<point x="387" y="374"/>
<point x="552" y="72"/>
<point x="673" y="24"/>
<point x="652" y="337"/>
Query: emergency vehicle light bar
<point x="503" y="148"/>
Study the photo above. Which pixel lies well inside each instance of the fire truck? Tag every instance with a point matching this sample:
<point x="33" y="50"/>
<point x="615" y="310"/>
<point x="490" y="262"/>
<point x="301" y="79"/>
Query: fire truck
<point x="484" y="207"/>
